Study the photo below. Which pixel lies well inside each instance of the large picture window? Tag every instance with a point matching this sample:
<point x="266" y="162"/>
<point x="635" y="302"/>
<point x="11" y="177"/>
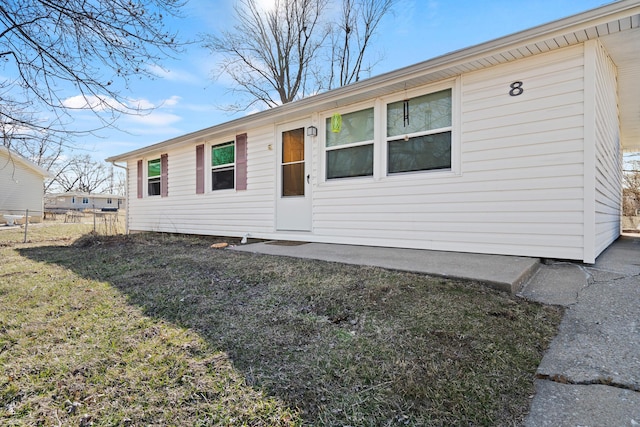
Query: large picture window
<point x="349" y="145"/>
<point x="223" y="160"/>
<point x="419" y="133"/>
<point x="153" y="177"/>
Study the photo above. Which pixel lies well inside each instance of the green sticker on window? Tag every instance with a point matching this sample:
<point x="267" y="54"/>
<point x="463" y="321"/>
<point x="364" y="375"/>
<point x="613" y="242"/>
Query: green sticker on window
<point x="223" y="154"/>
<point x="336" y="123"/>
<point x="153" y="168"/>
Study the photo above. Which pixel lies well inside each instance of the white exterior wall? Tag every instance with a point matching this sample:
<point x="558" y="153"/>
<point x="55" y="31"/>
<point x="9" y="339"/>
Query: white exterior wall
<point x="21" y="188"/>
<point x="517" y="186"/>
<point x="525" y="153"/>
<point x="519" y="190"/>
<point x="608" y="156"/>
<point x="222" y="212"/>
<point x="75" y="202"/>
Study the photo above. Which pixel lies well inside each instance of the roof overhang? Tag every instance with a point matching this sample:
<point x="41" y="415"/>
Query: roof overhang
<point x="617" y="25"/>
<point x="81" y="194"/>
<point x="12" y="156"/>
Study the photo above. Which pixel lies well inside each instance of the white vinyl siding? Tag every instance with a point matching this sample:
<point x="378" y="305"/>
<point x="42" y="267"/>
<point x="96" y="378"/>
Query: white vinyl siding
<point x="21" y="188"/>
<point x="519" y="169"/>
<point x="608" y="158"/>
<point x="229" y="212"/>
<point x="520" y="187"/>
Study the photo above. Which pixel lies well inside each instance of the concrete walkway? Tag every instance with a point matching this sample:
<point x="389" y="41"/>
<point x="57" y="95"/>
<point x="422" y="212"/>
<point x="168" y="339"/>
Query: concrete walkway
<point x="506" y="273"/>
<point x="590" y="376"/>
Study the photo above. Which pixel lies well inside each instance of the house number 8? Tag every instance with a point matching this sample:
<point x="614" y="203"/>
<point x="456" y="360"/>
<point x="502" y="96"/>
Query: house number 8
<point x="516" y="89"/>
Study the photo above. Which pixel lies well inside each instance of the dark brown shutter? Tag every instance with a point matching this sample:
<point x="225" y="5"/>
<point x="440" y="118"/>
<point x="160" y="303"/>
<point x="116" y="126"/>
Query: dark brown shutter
<point x="241" y="162"/>
<point x="164" y="183"/>
<point x="200" y="169"/>
<point x="140" y="179"/>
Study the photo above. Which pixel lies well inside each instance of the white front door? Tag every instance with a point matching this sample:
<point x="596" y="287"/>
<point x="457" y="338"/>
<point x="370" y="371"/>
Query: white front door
<point x="293" y="177"/>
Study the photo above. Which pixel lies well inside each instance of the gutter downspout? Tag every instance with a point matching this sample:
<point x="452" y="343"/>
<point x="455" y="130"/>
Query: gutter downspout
<point x="126" y="195"/>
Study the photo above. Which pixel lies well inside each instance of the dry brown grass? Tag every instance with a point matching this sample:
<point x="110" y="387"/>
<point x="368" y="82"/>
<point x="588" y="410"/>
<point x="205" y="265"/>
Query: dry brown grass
<point x="164" y="330"/>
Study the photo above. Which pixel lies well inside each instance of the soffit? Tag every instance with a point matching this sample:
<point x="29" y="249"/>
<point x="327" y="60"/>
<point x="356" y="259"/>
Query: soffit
<point x="624" y="50"/>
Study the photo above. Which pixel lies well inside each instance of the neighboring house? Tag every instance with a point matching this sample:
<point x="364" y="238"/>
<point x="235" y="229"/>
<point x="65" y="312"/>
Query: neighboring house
<point x="21" y="188"/>
<point x="79" y="201"/>
<point x="509" y="147"/>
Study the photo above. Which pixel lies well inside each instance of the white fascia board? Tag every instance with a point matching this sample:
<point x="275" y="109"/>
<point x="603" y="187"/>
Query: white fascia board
<point x="582" y="21"/>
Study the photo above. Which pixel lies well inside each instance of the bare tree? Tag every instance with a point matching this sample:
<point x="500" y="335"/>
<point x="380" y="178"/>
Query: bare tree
<point x="117" y="182"/>
<point x="631" y="189"/>
<point x="85" y="175"/>
<point x="46" y="149"/>
<point x="52" y="47"/>
<point x="351" y="38"/>
<point x="269" y="52"/>
<point x="278" y="55"/>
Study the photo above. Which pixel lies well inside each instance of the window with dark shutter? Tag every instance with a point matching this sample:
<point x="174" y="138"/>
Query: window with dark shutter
<point x="223" y="166"/>
<point x="154" y="173"/>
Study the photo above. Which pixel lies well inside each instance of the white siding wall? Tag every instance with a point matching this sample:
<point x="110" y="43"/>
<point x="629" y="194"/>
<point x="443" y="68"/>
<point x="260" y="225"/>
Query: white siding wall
<point x="608" y="157"/>
<point x="520" y="187"/>
<point x="21" y="188"/>
<point x="223" y="212"/>
<point x="69" y="202"/>
<point x="517" y="186"/>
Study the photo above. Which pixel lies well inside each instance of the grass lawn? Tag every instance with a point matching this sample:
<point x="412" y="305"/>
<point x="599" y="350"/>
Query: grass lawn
<point x="151" y="330"/>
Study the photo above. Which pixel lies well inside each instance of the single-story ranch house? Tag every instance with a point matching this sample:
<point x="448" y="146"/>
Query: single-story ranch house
<point x="512" y="147"/>
<point x="76" y="200"/>
<point x="21" y="188"/>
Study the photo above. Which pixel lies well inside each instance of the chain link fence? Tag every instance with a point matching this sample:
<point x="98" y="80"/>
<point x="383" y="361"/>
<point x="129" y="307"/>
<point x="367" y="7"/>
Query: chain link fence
<point x="100" y="222"/>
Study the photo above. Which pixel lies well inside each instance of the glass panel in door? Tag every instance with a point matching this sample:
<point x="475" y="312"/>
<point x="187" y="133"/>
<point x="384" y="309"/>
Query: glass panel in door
<point x="293" y="163"/>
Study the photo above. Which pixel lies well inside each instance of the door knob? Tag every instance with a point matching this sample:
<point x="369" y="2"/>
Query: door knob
<point x="308" y="176"/>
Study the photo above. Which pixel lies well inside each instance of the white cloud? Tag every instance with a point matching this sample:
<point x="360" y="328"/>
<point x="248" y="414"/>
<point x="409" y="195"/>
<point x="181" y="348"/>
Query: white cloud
<point x="82" y="102"/>
<point x="156" y="118"/>
<point x="173" y="75"/>
<point x="172" y="101"/>
<point x="141" y="104"/>
<point x="266" y="5"/>
<point x="146" y="105"/>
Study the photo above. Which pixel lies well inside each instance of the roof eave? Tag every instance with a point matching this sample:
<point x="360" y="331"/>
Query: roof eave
<point x="588" y="19"/>
<point x="26" y="162"/>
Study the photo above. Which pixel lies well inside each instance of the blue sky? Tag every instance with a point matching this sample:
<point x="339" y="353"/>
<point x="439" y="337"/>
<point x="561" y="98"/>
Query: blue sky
<point x="187" y="99"/>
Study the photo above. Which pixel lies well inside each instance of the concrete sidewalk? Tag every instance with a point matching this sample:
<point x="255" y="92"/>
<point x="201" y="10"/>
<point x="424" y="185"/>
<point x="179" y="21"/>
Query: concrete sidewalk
<point x="590" y="376"/>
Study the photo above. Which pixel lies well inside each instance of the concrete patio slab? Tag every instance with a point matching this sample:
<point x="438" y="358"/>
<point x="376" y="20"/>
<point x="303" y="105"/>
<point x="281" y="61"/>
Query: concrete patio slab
<point x="506" y="273"/>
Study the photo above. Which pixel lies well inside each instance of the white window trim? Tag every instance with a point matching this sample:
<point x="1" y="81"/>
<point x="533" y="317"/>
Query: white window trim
<point x="323" y="145"/>
<point x="455" y="170"/>
<point x="147" y="178"/>
<point x="380" y="139"/>
<point x="210" y="168"/>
